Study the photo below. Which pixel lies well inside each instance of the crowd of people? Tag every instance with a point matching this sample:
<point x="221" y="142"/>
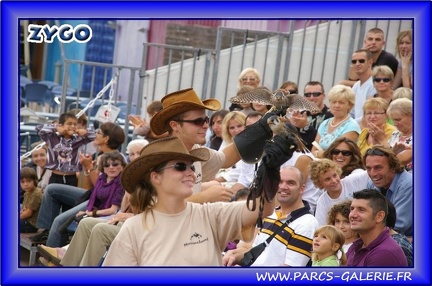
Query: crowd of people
<point x="344" y="196"/>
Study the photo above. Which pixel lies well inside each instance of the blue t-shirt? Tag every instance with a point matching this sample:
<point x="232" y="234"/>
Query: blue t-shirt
<point x="327" y="138"/>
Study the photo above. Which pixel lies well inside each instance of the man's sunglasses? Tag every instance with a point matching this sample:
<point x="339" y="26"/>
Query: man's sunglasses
<point x="314" y="94"/>
<point x="376" y="152"/>
<point x="197" y="121"/>
<point x="362" y="61"/>
<point x="345" y="153"/>
<point x="180" y="166"/>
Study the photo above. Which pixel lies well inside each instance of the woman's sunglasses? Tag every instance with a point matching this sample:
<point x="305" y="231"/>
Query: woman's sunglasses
<point x="180" y="166"/>
<point x="345" y="153"/>
<point x="113" y="164"/>
<point x="379" y="79"/>
<point x="197" y="121"/>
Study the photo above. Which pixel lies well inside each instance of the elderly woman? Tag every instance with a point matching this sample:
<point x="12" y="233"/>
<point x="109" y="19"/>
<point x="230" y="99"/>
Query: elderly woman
<point x="346" y="154"/>
<point x="375" y="115"/>
<point x="401" y="140"/>
<point x="134" y="147"/>
<point x="249" y="76"/>
<point x="169" y="230"/>
<point x="341" y="100"/>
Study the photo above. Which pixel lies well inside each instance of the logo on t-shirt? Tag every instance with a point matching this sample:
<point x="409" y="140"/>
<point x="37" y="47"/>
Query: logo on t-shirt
<point x="196" y="238"/>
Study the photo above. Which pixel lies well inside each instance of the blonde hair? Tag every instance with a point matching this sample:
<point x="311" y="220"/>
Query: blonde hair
<point x="399" y="38"/>
<point x="336" y="237"/>
<point x="402" y="92"/>
<point x="340" y="91"/>
<point x="238" y="117"/>
<point x="385" y="70"/>
<point x="375" y="102"/>
<point x="401" y="105"/>
<point x="245" y="71"/>
<point x="318" y="167"/>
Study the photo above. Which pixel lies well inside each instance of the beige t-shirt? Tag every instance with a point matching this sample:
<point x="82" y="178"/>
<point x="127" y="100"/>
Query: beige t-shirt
<point x="196" y="236"/>
<point x="206" y="171"/>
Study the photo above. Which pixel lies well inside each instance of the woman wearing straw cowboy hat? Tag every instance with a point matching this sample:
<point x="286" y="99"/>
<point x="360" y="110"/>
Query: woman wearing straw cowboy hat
<point x="184" y="116"/>
<point x="169" y="230"/>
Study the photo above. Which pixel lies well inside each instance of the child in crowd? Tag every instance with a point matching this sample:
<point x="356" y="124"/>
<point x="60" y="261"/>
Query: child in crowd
<point x="32" y="200"/>
<point x="63" y="141"/>
<point x="339" y="217"/>
<point x="328" y="240"/>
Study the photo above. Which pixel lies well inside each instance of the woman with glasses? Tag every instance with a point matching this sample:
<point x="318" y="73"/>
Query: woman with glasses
<point x="383" y="78"/>
<point x="377" y="127"/>
<point x="346" y="154"/>
<point x="249" y="77"/>
<point x="169" y="230"/>
<point x="341" y="100"/>
<point x="105" y="198"/>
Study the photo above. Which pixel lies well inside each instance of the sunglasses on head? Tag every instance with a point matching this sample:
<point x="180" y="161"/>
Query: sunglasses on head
<point x="314" y="94"/>
<point x="373" y="151"/>
<point x="180" y="166"/>
<point x="197" y="121"/>
<point x="345" y="153"/>
<point x="379" y="79"/>
<point x="113" y="164"/>
<point x="362" y="61"/>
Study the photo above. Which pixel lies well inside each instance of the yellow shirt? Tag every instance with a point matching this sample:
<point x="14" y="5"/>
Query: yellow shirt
<point x="363" y="138"/>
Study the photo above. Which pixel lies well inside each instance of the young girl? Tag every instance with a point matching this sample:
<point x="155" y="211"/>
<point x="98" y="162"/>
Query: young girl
<point x="32" y="200"/>
<point x="328" y="240"/>
<point x="63" y="141"/>
<point x="339" y="217"/>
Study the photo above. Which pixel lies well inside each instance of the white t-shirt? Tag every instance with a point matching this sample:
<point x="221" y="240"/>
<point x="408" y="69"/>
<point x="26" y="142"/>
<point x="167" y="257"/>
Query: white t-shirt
<point x="350" y="184"/>
<point x="362" y="93"/>
<point x="196" y="236"/>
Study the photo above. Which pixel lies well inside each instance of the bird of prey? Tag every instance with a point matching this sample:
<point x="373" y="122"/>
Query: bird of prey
<point x="281" y="126"/>
<point x="280" y="99"/>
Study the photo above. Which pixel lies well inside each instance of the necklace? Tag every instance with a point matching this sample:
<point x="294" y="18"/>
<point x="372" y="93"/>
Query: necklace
<point x="336" y="125"/>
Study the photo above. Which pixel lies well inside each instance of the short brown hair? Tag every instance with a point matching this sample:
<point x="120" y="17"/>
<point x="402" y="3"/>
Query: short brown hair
<point x="154" y="107"/>
<point x="393" y="160"/>
<point x="29" y="173"/>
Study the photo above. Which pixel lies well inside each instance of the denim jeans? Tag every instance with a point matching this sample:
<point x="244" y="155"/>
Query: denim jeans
<point x="56" y="239"/>
<point x="55" y="196"/>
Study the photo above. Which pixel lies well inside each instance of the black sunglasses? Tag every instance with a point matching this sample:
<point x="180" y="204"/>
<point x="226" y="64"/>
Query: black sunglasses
<point x="345" y="153"/>
<point x="197" y="121"/>
<point x="379" y="79"/>
<point x="180" y="166"/>
<point x="362" y="61"/>
<point x="377" y="152"/>
<point x="293" y="91"/>
<point x="314" y="94"/>
<point x="113" y="164"/>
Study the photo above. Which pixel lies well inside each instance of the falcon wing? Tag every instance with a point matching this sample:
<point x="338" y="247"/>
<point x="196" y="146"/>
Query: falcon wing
<point x="301" y="104"/>
<point x="260" y="95"/>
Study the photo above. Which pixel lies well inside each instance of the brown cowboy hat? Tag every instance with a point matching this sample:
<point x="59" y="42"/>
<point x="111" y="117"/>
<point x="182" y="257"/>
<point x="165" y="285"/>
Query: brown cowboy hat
<point x="179" y="102"/>
<point x="155" y="153"/>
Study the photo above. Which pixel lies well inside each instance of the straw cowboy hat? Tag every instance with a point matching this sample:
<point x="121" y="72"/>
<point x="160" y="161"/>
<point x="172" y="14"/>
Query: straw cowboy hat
<point x="179" y="102"/>
<point x="155" y="153"/>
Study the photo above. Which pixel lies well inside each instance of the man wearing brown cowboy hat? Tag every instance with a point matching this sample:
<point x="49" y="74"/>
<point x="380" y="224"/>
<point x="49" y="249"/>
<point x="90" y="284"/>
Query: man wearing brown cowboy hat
<point x="184" y="116"/>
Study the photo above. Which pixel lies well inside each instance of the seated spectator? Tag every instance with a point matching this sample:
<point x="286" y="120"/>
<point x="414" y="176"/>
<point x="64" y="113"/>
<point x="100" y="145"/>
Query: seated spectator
<point x="109" y="137"/>
<point x="306" y="122"/>
<point x="401" y="140"/>
<point x="339" y="217"/>
<point x="39" y="159"/>
<point x="294" y="247"/>
<point x="216" y="120"/>
<point x="341" y="100"/>
<point x="32" y="200"/>
<point x="401" y="239"/>
<point x="375" y="247"/>
<point x="375" y="118"/>
<point x="134" y="148"/>
<point x="327" y="242"/>
<point x="383" y="78"/>
<point x="249" y="77"/>
<point x="402" y="92"/>
<point x="346" y="154"/>
<point x="290" y="86"/>
<point x="404" y="52"/>
<point x="141" y="127"/>
<point x="325" y="174"/>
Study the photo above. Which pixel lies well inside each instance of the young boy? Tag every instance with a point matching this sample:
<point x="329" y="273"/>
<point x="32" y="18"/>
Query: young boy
<point x="63" y="141"/>
<point x="32" y="200"/>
